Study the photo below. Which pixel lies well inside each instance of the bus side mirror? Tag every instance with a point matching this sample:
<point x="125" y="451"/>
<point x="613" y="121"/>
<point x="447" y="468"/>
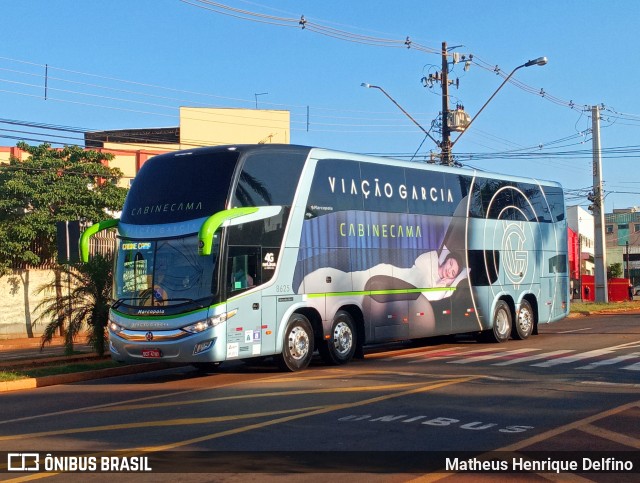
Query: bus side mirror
<point x="211" y="225"/>
<point x="89" y="232"/>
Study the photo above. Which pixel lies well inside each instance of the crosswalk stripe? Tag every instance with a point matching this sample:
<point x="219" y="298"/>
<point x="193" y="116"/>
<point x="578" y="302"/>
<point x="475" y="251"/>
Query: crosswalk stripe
<point x="451" y="350"/>
<point x="633" y="367"/>
<point x="462" y="355"/>
<point x="573" y="358"/>
<point x="486" y="357"/>
<point x="609" y="362"/>
<point x="447" y="354"/>
<point x="536" y="357"/>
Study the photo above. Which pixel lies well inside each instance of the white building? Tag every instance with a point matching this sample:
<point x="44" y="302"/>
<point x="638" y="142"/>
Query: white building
<point x="581" y="222"/>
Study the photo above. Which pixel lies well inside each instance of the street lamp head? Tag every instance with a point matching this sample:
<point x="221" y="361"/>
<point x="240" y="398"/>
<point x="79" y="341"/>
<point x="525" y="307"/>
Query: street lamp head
<point x="364" y="84"/>
<point x="538" y="61"/>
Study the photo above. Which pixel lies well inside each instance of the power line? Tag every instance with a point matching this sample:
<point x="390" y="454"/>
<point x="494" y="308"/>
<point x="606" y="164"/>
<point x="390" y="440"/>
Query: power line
<point x="303" y="23"/>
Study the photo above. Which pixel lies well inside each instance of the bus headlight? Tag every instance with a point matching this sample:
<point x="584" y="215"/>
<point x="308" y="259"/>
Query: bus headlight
<point x="113" y="327"/>
<point x="208" y="323"/>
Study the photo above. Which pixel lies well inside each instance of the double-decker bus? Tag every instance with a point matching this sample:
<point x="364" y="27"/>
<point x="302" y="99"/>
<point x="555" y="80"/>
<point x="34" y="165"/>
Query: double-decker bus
<point x="248" y="251"/>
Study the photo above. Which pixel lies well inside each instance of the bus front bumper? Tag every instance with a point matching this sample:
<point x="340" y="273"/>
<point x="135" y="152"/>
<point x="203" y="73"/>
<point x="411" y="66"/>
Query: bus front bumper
<point x="166" y="346"/>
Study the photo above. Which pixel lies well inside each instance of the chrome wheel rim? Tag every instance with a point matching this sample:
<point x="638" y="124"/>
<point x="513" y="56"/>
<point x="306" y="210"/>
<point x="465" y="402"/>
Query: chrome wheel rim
<point x="298" y="343"/>
<point x="525" y="320"/>
<point x="502" y="322"/>
<point x="342" y="338"/>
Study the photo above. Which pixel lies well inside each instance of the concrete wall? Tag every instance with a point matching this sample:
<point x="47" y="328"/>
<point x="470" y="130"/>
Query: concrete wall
<point x="213" y="127"/>
<point x="17" y="292"/>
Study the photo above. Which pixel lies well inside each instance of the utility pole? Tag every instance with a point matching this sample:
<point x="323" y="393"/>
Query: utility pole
<point x="600" y="257"/>
<point x="446" y="131"/>
<point x="627" y="271"/>
<point x="458" y="120"/>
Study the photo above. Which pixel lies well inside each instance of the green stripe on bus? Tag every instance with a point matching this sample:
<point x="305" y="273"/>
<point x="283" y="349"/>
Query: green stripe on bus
<point x="163" y="317"/>
<point x="380" y="292"/>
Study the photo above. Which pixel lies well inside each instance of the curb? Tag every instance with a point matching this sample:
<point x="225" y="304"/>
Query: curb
<point x="39" y="360"/>
<point x="35" y="382"/>
<point x="588" y="313"/>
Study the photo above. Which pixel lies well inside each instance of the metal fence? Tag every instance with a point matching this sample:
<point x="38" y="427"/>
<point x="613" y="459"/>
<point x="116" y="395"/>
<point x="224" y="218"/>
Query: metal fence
<point x="103" y="242"/>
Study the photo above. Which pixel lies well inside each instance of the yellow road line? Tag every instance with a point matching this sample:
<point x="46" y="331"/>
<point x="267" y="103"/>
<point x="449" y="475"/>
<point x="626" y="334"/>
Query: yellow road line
<point x="567" y="427"/>
<point x="234" y="382"/>
<point x="312" y="412"/>
<point x="333" y="390"/>
<point x="307" y="412"/>
<point x="580" y="425"/>
<point x="610" y="435"/>
<point x="151" y="424"/>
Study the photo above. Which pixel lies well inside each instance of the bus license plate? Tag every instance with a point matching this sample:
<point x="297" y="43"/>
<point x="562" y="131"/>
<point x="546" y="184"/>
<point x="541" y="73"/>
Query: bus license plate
<point x="151" y="353"/>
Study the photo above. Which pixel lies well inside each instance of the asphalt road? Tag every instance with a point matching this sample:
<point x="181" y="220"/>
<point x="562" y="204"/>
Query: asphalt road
<point x="574" y="388"/>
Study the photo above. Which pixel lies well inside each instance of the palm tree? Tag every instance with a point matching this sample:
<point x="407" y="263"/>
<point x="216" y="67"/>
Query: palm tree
<point x="84" y="305"/>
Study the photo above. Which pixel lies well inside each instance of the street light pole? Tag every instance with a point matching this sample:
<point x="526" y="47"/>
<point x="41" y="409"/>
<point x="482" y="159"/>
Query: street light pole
<point x="445" y="155"/>
<point x="538" y="61"/>
<point x="600" y="252"/>
<point x="259" y="94"/>
<point x="369" y="86"/>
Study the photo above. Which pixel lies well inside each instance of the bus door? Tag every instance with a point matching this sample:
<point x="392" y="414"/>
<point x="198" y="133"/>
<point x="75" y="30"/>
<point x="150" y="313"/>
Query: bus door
<point x="244" y="303"/>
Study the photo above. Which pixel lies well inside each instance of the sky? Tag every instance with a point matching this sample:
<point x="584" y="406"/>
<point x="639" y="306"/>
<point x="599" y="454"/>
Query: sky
<point x="71" y="66"/>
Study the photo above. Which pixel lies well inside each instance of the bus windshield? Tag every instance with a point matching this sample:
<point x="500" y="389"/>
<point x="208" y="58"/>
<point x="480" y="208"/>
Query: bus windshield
<point x="160" y="273"/>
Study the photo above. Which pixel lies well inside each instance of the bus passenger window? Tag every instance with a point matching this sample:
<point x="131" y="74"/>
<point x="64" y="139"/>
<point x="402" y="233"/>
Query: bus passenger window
<point x="484" y="266"/>
<point x="242" y="270"/>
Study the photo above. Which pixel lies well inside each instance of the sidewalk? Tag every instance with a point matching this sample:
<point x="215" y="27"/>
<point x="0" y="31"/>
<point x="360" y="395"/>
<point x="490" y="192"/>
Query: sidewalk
<point x="26" y="353"/>
<point x="14" y="350"/>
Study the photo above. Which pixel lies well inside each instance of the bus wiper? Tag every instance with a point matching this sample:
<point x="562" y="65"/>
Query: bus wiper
<point x="121" y="301"/>
<point x="185" y="300"/>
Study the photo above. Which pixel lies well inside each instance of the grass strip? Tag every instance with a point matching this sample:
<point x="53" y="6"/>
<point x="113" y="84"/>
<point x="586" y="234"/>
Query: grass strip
<point x="52" y="370"/>
<point x="593" y="307"/>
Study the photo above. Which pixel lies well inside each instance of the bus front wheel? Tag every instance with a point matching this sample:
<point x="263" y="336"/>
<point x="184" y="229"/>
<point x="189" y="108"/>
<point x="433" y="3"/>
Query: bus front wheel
<point x="297" y="348"/>
<point x="501" y="329"/>
<point x="341" y="347"/>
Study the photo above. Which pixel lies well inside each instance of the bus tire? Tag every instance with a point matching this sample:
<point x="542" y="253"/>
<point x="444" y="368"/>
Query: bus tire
<point x="525" y="321"/>
<point x="501" y="329"/>
<point x="297" y="347"/>
<point x="341" y="347"/>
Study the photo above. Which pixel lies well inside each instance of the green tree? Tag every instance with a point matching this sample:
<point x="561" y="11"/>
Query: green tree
<point x="51" y="185"/>
<point x="84" y="307"/>
<point x="614" y="270"/>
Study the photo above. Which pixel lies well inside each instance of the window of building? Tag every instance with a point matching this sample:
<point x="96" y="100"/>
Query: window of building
<point x="609" y="228"/>
<point x="636" y="227"/>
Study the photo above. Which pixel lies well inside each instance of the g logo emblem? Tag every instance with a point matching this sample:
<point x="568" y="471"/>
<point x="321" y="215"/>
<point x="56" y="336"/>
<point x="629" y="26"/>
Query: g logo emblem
<point x="516" y="258"/>
<point x="149" y="336"/>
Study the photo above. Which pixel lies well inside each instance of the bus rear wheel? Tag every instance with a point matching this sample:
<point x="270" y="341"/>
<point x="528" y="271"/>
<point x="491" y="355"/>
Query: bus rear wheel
<point x="341" y="347"/>
<point x="525" y="321"/>
<point x="297" y="347"/>
<point x="501" y="329"/>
